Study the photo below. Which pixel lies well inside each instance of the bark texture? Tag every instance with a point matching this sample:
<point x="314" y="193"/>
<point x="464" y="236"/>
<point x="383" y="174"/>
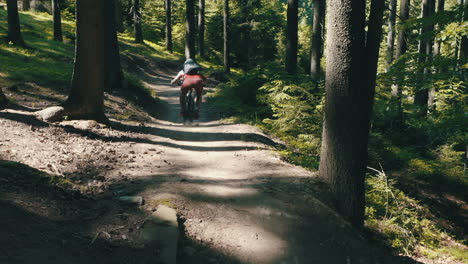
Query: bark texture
<point x="86" y="97"/>
<point x="350" y="84"/>
<point x="57" y="20"/>
<point x="342" y="159"/>
<point x="317" y="41"/>
<point x="190" y="29"/>
<point x="113" y="69"/>
<point x="227" y="61"/>
<point x="14" y="29"/>
<point x="291" y="36"/>
<point x="169" y="46"/>
<point x="201" y="28"/>
<point x="137" y="22"/>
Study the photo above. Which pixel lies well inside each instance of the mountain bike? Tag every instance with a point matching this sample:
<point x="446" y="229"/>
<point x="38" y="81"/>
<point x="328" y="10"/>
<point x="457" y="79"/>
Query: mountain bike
<point x="191" y="112"/>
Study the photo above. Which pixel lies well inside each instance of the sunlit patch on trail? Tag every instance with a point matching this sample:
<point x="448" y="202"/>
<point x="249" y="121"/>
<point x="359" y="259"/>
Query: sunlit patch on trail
<point x="227" y="191"/>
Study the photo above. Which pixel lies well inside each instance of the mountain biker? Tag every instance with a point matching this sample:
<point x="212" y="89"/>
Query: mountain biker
<point x="192" y="78"/>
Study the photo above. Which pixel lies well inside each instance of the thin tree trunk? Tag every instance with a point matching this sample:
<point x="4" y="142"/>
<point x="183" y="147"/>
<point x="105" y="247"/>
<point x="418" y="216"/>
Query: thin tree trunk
<point x="437" y="46"/>
<point x="118" y="16"/>
<point x="137" y="21"/>
<point x="201" y="29"/>
<point x="57" y="21"/>
<point x="316" y="49"/>
<point x="168" y="26"/>
<point x="291" y="36"/>
<point x="342" y="163"/>
<point x="86" y="97"/>
<point x="190" y="29"/>
<point x="113" y="70"/>
<point x="402" y="46"/>
<point x="391" y="33"/>
<point x="14" y="29"/>
<point x="226" y="28"/>
<point x="421" y="95"/>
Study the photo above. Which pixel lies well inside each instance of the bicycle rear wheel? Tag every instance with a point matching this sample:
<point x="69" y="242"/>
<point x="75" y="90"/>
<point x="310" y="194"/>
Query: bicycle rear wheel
<point x="190" y="111"/>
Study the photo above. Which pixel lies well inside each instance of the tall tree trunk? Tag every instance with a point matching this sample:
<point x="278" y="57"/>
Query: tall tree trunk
<point x="118" y="16"/>
<point x="348" y="105"/>
<point x="113" y="70"/>
<point x="437" y="46"/>
<point x="168" y="26"/>
<point x="316" y="49"/>
<point x="190" y="29"/>
<point x="14" y="29"/>
<point x="226" y="28"/>
<point x="291" y="36"/>
<point x="57" y="21"/>
<point x="86" y="97"/>
<point x="402" y="46"/>
<point x="137" y="21"/>
<point x="201" y="29"/>
<point x="392" y="5"/>
<point x="421" y="95"/>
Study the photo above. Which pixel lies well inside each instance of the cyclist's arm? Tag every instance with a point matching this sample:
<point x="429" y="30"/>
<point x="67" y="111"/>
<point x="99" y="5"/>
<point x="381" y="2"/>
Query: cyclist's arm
<point x="179" y="75"/>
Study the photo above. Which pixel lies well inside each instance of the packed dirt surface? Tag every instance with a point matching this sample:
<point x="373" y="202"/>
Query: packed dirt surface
<point x="237" y="201"/>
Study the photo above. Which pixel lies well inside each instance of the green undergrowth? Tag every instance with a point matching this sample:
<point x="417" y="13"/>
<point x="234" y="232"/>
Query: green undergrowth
<point x="49" y="63"/>
<point x="290" y="107"/>
<point x="45" y="62"/>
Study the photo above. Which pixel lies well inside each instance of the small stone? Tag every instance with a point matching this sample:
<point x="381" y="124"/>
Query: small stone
<point x="131" y="152"/>
<point x="124" y="237"/>
<point x="132" y="199"/>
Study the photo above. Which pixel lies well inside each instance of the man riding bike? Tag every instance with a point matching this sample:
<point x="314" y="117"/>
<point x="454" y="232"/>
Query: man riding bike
<point x="192" y="78"/>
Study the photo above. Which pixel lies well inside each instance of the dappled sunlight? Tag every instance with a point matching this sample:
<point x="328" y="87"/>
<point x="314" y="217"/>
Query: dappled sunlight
<point x="225" y="191"/>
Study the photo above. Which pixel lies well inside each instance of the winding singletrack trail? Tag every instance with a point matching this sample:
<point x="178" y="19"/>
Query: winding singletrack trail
<point x="238" y="201"/>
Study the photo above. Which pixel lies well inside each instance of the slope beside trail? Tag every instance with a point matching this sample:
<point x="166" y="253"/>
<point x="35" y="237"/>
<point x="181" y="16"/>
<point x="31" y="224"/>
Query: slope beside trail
<point x="237" y="201"/>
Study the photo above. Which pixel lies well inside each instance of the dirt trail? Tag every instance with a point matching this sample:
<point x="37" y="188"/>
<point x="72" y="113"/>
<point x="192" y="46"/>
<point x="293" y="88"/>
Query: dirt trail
<point x="238" y="201"/>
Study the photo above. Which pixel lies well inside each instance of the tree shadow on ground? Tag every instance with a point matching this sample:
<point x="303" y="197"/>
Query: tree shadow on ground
<point x="322" y="239"/>
<point x="47" y="223"/>
<point x="175" y="135"/>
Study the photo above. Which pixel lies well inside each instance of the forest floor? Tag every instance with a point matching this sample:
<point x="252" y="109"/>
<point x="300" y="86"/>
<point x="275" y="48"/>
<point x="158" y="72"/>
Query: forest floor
<point x="237" y="201"/>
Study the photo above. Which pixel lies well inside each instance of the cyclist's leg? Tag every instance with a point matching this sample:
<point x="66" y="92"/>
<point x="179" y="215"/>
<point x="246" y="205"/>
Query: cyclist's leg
<point x="183" y="93"/>
<point x="199" y="90"/>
